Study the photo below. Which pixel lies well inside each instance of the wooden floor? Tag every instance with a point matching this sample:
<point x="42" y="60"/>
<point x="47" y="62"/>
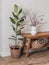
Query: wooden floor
<point x="37" y="58"/>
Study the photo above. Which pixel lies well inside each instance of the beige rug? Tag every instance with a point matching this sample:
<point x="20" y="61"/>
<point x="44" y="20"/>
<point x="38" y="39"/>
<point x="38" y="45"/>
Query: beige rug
<point x="37" y="58"/>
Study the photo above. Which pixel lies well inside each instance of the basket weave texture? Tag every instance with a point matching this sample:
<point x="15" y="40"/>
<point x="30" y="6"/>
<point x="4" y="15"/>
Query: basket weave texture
<point x="37" y="44"/>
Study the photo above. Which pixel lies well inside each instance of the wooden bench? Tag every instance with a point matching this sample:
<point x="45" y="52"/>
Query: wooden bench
<point x="29" y="37"/>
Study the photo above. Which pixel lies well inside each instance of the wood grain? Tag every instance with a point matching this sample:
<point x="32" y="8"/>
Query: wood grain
<point x="36" y="36"/>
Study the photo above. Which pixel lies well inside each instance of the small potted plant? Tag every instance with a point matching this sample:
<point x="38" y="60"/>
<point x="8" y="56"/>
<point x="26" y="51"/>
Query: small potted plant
<point x="17" y="25"/>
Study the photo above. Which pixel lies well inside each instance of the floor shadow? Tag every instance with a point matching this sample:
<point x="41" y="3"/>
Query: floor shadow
<point x="39" y="50"/>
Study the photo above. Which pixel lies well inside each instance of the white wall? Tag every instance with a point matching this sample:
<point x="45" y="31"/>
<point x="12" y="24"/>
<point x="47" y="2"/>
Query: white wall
<point x="7" y="7"/>
<point x="0" y="29"/>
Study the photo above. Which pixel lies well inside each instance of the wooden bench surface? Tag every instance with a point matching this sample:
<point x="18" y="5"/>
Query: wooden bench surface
<point x="41" y="34"/>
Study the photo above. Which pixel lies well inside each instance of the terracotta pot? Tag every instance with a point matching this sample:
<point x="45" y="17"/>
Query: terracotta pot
<point x="15" y="52"/>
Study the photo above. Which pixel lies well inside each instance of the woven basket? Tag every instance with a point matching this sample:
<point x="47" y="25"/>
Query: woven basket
<point x="37" y="44"/>
<point x="15" y="52"/>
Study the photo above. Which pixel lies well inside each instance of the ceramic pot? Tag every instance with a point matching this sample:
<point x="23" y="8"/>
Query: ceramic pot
<point x="33" y="30"/>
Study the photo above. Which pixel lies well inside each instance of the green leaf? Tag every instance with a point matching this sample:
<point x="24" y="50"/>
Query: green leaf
<point x="18" y="32"/>
<point x="15" y="8"/>
<point x="12" y="20"/>
<point x="18" y="24"/>
<point x="13" y="27"/>
<point x="21" y="28"/>
<point x="22" y="39"/>
<point x="11" y="38"/>
<point x="21" y="20"/>
<point x="15" y="15"/>
<point x="20" y="10"/>
<point x="23" y="17"/>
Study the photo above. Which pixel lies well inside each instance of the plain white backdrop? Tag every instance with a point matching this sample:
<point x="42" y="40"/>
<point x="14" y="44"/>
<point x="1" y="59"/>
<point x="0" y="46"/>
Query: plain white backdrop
<point x="6" y="12"/>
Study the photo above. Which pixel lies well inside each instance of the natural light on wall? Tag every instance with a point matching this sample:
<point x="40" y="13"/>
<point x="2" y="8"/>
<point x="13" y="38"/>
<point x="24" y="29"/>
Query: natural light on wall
<point x="7" y="7"/>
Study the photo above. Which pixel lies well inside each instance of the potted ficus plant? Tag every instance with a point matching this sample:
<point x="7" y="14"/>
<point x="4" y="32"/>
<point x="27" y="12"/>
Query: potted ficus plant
<point x="17" y="25"/>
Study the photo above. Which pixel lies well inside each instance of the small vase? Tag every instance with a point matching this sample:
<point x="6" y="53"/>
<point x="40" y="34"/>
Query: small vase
<point x="33" y="30"/>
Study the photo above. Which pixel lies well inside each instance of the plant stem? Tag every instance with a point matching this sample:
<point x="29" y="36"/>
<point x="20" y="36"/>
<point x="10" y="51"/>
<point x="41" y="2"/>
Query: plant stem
<point x="16" y="35"/>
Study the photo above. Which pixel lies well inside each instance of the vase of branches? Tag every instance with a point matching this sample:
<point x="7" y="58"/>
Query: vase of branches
<point x="17" y="26"/>
<point x="36" y="21"/>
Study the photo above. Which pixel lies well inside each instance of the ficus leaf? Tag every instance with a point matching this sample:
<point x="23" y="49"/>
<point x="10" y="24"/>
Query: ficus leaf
<point x="21" y="20"/>
<point x="22" y="39"/>
<point x="12" y="20"/>
<point x="18" y="24"/>
<point x="18" y="32"/>
<point x="15" y="15"/>
<point x="21" y="28"/>
<point x="15" y="8"/>
<point x="23" y="17"/>
<point x="20" y="10"/>
<point x="13" y="27"/>
<point x="11" y="38"/>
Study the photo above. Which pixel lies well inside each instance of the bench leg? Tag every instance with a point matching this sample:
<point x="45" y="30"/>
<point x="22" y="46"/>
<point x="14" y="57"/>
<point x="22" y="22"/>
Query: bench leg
<point x="47" y="47"/>
<point x="28" y="47"/>
<point x="48" y="43"/>
<point x="22" y="48"/>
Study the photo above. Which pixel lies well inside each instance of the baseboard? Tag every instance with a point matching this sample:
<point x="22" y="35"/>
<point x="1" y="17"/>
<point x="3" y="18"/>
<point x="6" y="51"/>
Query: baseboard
<point x="0" y="53"/>
<point x="4" y="54"/>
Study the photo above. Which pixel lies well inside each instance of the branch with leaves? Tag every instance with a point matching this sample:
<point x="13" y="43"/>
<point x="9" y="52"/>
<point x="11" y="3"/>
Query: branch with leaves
<point x="17" y="22"/>
<point x="36" y="19"/>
